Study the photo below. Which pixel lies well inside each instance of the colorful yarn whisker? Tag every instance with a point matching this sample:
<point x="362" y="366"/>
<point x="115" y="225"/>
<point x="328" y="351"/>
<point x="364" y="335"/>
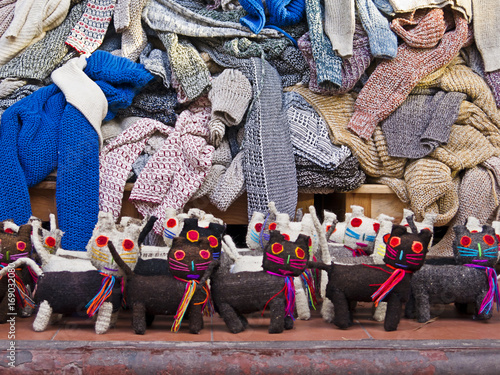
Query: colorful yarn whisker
<point x="308" y="280"/>
<point x="186" y="299"/>
<point x="388" y="285"/>
<point x="493" y="294"/>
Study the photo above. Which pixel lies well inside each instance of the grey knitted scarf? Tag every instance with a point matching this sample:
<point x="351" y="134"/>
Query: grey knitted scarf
<point x="268" y="162"/>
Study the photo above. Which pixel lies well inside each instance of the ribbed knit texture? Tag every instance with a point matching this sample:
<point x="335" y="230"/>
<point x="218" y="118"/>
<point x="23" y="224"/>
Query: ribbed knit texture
<point x="407" y="6"/>
<point x="281" y="13"/>
<point x="487" y="31"/>
<point x="39" y="59"/>
<point x="352" y="68"/>
<point x="432" y="189"/>
<point x="328" y="63"/>
<point x="477" y="197"/>
<point x="268" y="164"/>
<point x="6" y="14"/>
<point x="128" y="22"/>
<point x="230" y="95"/>
<point x="339" y="25"/>
<point x="43" y="131"/>
<point x="87" y="35"/>
<point x="392" y="80"/>
<point x="17" y="95"/>
<point x="421" y="123"/>
<point x="383" y="42"/>
<point x="156" y="62"/>
<point x="32" y="19"/>
<point x="230" y="185"/>
<point x="174" y="173"/>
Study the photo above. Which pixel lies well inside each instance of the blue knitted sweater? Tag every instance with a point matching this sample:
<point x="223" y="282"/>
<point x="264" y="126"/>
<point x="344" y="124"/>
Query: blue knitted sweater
<point x="42" y="132"/>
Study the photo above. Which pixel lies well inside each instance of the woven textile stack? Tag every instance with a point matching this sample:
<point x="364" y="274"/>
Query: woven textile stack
<point x="214" y="98"/>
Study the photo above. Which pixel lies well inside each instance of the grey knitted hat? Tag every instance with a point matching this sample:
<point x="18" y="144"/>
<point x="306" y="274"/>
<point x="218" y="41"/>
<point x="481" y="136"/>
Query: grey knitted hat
<point x="230" y="95"/>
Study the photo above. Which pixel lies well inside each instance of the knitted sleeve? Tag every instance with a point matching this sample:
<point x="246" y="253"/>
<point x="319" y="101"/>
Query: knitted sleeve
<point x="339" y="25"/>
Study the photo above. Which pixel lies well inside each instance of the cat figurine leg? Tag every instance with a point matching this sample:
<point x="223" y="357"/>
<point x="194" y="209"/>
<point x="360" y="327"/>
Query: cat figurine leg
<point x="277" y="324"/>
<point x="380" y="311"/>
<point x="301" y="303"/>
<point x="42" y="317"/>
<point x="139" y="318"/>
<point x="103" y="321"/>
<point x="393" y="314"/>
<point x="231" y="318"/>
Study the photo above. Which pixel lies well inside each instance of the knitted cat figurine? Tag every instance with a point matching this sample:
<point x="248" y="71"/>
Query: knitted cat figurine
<point x="184" y="290"/>
<point x="236" y="294"/>
<point x="472" y="280"/>
<point x="347" y="283"/>
<point x="94" y="291"/>
<point x="15" y="245"/>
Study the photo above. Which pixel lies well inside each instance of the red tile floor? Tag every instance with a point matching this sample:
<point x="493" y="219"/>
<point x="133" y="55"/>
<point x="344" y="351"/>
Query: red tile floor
<point x="451" y="343"/>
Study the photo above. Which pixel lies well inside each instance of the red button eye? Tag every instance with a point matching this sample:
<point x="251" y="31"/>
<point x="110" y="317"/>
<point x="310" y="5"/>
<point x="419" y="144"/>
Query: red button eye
<point x="395" y="241"/>
<point x="300" y="253"/>
<point x="258" y="227"/>
<point x="50" y="241"/>
<point x="192" y="236"/>
<point x="179" y="255"/>
<point x="489" y="239"/>
<point x="21" y="245"/>
<point x="286" y="237"/>
<point x="272" y="226"/>
<point x="376" y="227"/>
<point x="101" y="241"/>
<point x="213" y="241"/>
<point x="276" y="248"/>
<point x="171" y="223"/>
<point x="417" y="247"/>
<point x="127" y="245"/>
<point x="8" y="230"/>
<point x="465" y="241"/>
<point x="205" y="254"/>
<point x="356" y="222"/>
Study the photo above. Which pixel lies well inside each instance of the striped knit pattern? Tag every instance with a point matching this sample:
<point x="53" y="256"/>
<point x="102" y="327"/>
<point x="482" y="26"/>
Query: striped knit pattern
<point x="116" y="159"/>
<point x="32" y="19"/>
<point x="6" y="14"/>
<point x="392" y="80"/>
<point x="88" y="33"/>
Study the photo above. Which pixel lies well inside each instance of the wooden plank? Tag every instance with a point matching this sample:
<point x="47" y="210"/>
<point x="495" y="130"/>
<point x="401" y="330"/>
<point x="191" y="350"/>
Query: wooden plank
<point x="43" y="202"/>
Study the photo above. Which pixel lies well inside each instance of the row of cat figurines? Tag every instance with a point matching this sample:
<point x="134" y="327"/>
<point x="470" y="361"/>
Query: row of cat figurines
<point x="128" y="231"/>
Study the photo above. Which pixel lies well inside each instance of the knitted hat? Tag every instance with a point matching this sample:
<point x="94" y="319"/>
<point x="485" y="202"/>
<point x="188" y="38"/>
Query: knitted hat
<point x="38" y="60"/>
<point x="230" y="95"/>
<point x="393" y="80"/>
<point x="421" y="123"/>
<point x="477" y="197"/>
<point x="30" y="23"/>
<point x="87" y="35"/>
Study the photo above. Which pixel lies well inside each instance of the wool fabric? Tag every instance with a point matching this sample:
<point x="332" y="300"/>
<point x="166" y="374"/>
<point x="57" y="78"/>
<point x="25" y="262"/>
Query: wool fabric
<point x="127" y="20"/>
<point x="32" y="19"/>
<point x="174" y="173"/>
<point x="328" y="63"/>
<point x="352" y="68"/>
<point x="407" y="6"/>
<point x="17" y="95"/>
<point x="309" y="134"/>
<point x="40" y="59"/>
<point x="6" y="14"/>
<point x="339" y="25"/>
<point x="49" y="132"/>
<point x="230" y="95"/>
<point x="421" y="123"/>
<point x="156" y="62"/>
<point x="486" y="31"/>
<point x="392" y="80"/>
<point x="230" y="185"/>
<point x="9" y="85"/>
<point x="87" y="35"/>
<point x="477" y="196"/>
<point x="383" y="42"/>
<point x="268" y="163"/>
<point x="281" y="13"/>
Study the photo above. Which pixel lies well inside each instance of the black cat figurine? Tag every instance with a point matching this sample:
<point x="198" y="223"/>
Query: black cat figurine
<point x="472" y="280"/>
<point x="237" y="294"/>
<point x="184" y="290"/>
<point x="390" y="282"/>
